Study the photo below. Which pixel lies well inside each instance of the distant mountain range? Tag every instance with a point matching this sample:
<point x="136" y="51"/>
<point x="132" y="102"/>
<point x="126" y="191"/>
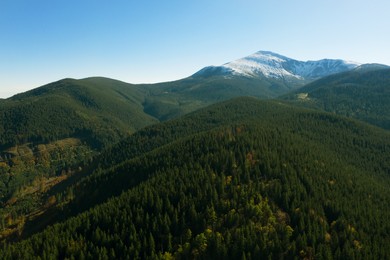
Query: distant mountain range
<point x="263" y="74"/>
<point x="103" y="102"/>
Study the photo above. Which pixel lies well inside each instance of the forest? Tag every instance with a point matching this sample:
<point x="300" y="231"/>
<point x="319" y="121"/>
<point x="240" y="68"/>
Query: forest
<point x="363" y="94"/>
<point x="241" y="179"/>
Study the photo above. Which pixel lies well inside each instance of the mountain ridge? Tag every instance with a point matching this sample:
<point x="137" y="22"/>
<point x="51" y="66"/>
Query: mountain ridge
<point x="362" y="93"/>
<point x="274" y="65"/>
<point x="162" y="101"/>
<point x="106" y="107"/>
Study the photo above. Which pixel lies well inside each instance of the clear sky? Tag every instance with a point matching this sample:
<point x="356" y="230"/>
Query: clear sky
<point x="153" y="41"/>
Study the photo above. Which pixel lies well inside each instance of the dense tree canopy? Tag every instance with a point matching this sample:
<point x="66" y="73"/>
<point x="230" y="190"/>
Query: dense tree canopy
<point x="242" y="179"/>
<point x="363" y="94"/>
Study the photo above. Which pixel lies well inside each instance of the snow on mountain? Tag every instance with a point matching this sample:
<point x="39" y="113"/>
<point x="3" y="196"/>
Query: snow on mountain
<point x="272" y="65"/>
<point x="265" y="63"/>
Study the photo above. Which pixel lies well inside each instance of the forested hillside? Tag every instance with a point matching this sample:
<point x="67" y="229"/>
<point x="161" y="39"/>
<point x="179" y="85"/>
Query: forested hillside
<point x="363" y="93"/>
<point x="50" y="133"/>
<point x="99" y="110"/>
<point x="243" y="179"/>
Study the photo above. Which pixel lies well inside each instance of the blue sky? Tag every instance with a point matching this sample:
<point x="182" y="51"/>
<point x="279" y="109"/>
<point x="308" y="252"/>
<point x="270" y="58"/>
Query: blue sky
<point x="153" y="41"/>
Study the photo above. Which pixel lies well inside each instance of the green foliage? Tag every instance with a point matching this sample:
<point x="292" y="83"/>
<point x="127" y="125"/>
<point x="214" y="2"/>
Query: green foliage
<point x="99" y="110"/>
<point x="172" y="99"/>
<point x="26" y="176"/>
<point x="241" y="179"/>
<point x="96" y="111"/>
<point x="363" y="94"/>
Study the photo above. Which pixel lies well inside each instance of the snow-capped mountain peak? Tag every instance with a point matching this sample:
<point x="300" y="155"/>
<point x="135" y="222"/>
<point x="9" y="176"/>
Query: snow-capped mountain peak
<point x="273" y="65"/>
<point x="267" y="63"/>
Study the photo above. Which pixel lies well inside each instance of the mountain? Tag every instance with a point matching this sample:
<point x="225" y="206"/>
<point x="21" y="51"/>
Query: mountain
<point x="51" y="135"/>
<point x="48" y="133"/>
<point x="272" y="65"/>
<point x="362" y="93"/>
<point x="104" y="109"/>
<point x="263" y="75"/>
<point x="95" y="104"/>
<point x="240" y="179"/>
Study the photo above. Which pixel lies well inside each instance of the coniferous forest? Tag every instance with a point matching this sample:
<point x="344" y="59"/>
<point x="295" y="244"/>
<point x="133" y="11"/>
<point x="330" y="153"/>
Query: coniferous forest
<point x="139" y="130"/>
<point x="241" y="179"/>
